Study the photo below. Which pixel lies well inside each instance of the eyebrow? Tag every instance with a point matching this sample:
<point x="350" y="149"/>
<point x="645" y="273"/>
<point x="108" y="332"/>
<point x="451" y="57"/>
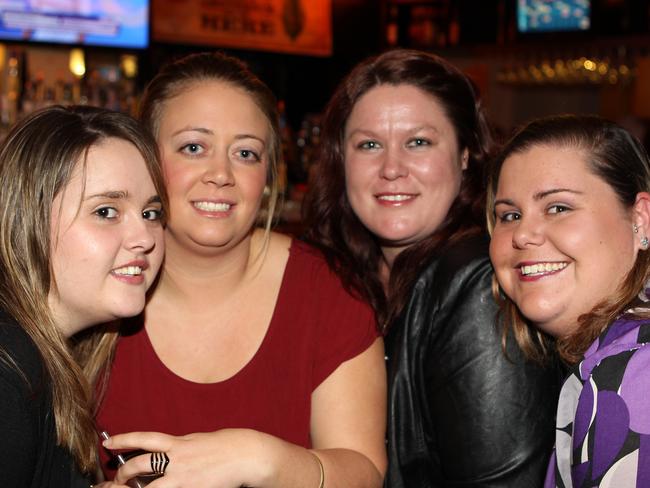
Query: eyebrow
<point x="121" y="195"/>
<point x="202" y="130"/>
<point x="424" y="127"/>
<point x="538" y="196"/>
<point x="543" y="194"/>
<point x="209" y="132"/>
<point x="113" y="195"/>
<point x="412" y="130"/>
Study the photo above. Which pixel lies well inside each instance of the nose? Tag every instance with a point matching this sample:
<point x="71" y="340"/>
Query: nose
<point x="528" y="232"/>
<point x="140" y="234"/>
<point x="218" y="171"/>
<point x="393" y="165"/>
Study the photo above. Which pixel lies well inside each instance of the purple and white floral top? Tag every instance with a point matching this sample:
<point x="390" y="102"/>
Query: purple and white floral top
<point x="603" y="416"/>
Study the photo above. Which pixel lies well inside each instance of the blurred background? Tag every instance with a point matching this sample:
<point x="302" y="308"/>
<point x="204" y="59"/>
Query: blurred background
<point x="528" y="57"/>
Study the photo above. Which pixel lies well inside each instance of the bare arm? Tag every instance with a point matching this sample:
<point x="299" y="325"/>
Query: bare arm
<point x="348" y="418"/>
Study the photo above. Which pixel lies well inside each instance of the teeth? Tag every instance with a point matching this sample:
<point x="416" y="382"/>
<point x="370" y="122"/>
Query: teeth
<point x="395" y="198"/>
<point x="129" y="270"/>
<point x="542" y="268"/>
<point x="212" y="207"/>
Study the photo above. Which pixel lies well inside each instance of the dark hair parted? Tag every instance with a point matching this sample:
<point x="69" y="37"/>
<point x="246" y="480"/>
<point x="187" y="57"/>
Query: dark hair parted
<point x="620" y="160"/>
<point x="180" y="75"/>
<point x="332" y="225"/>
<point x="37" y="159"/>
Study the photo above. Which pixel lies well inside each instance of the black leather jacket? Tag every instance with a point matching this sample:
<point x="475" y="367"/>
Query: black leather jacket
<point x="461" y="414"/>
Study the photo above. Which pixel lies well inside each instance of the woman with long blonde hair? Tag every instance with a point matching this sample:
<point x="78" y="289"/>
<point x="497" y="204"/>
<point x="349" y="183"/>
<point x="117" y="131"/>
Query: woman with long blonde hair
<point x="80" y="242"/>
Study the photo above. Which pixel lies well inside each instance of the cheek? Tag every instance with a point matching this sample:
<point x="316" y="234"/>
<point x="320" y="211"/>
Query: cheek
<point x="440" y="175"/>
<point x="500" y="247"/>
<point x="358" y="178"/>
<point x="78" y="252"/>
<point x="177" y="175"/>
<point x="254" y="180"/>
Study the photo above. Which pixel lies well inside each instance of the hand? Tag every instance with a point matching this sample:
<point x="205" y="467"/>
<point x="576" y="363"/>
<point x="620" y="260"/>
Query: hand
<point x="227" y="458"/>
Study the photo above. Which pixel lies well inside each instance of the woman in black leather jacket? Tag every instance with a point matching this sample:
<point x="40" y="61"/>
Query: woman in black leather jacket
<point x="397" y="207"/>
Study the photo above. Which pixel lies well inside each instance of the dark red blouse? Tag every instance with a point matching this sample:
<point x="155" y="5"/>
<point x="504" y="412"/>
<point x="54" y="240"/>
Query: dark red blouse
<point x="315" y="327"/>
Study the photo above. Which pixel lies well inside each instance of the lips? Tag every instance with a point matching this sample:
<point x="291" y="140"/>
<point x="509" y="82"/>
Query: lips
<point x="395" y="199"/>
<point x="131" y="273"/>
<point x="207" y="206"/>
<point x="533" y="270"/>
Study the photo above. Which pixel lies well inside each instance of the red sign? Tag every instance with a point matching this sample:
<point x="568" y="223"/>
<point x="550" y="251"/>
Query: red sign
<point x="291" y="26"/>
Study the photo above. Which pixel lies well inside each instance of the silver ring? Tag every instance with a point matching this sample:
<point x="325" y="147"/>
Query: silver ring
<point x="159" y="462"/>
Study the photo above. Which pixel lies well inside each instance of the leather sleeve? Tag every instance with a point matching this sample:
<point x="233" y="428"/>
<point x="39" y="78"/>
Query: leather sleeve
<point x="461" y="413"/>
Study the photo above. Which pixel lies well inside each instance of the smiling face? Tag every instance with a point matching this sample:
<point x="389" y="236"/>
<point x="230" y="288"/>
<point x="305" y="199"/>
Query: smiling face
<point x="562" y="241"/>
<point x="214" y="142"/>
<point x="403" y="166"/>
<point x="106" y="238"/>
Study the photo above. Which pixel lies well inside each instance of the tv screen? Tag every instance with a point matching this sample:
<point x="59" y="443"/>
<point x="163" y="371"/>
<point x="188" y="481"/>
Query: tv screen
<point x="553" y="15"/>
<point x="117" y="23"/>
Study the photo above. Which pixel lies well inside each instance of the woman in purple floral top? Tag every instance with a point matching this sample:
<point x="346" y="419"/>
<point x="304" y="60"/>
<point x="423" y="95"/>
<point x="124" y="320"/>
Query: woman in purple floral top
<point x="570" y="219"/>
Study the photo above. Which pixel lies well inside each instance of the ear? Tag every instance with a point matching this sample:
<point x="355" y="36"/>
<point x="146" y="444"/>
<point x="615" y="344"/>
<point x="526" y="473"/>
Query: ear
<point x="641" y="218"/>
<point x="464" y="159"/>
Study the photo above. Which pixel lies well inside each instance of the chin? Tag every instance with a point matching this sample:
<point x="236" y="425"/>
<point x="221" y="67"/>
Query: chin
<point x="554" y="326"/>
<point x="128" y="310"/>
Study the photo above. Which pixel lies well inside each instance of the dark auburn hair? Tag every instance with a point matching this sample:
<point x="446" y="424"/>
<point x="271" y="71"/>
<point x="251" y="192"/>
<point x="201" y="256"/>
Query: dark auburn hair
<point x="615" y="156"/>
<point x="37" y="160"/>
<point x="331" y="223"/>
<point x="181" y="74"/>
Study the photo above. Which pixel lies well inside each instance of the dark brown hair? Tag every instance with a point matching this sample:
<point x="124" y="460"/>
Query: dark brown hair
<point x="332" y="225"/>
<point x="181" y="74"/>
<point x="37" y="160"/>
<point x="620" y="160"/>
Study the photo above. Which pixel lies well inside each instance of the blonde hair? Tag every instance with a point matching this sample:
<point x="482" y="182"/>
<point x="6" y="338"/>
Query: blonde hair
<point x="37" y="159"/>
<point x="615" y="156"/>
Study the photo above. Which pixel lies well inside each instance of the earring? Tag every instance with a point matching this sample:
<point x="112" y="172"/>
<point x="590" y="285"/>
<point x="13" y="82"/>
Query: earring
<point x="635" y="228"/>
<point x="645" y="242"/>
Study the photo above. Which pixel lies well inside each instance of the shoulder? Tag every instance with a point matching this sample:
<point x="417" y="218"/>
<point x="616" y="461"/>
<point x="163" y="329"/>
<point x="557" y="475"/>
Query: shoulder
<point x="310" y="262"/>
<point x="459" y="268"/>
<point x="21" y="359"/>
<point x="312" y="278"/>
<point x="452" y="303"/>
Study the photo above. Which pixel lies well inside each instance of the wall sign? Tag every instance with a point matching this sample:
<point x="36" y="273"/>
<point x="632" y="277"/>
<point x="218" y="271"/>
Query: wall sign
<point x="290" y="26"/>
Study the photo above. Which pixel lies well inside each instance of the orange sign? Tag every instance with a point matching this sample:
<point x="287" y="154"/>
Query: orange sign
<point x="291" y="26"/>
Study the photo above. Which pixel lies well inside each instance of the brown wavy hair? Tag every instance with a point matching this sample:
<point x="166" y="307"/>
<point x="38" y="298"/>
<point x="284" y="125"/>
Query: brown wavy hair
<point x="181" y="74"/>
<point x="37" y="160"/>
<point x="332" y="226"/>
<point x="621" y="161"/>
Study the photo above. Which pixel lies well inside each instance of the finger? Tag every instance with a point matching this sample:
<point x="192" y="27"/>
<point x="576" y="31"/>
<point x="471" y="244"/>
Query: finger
<point x="135" y="466"/>
<point x="147" y="441"/>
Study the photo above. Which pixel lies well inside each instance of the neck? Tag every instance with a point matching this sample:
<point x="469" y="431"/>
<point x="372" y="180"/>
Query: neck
<point x="197" y="276"/>
<point x="390" y="253"/>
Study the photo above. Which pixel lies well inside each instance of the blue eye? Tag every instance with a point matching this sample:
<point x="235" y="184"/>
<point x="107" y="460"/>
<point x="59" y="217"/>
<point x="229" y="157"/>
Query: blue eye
<point x="418" y="142"/>
<point x="368" y="145"/>
<point x="192" y="149"/>
<point x="248" y="155"/>
<point x="106" y="212"/>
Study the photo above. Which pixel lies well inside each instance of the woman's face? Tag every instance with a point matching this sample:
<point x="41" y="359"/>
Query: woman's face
<point x="403" y="166"/>
<point x="106" y="238"/>
<point x="214" y="143"/>
<point x="562" y="241"/>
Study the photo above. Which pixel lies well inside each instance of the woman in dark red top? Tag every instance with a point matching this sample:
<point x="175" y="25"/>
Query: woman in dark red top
<point x="252" y="366"/>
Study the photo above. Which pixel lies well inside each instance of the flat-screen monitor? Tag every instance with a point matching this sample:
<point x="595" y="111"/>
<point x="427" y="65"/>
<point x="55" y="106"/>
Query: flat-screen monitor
<point x="553" y="15"/>
<point x="116" y="23"/>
